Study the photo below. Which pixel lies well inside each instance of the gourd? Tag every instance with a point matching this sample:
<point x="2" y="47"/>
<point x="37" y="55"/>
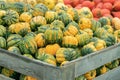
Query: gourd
<point x="95" y="25"/>
<point x="90" y="75"/>
<point x="82" y="77"/>
<point x="53" y="35"/>
<point x="85" y="12"/>
<point x="2" y="31"/>
<point x="60" y="7"/>
<point x="25" y="77"/>
<point x="69" y="41"/>
<point x="37" y="21"/>
<point x="108" y="28"/>
<point x="89" y="31"/>
<point x="52" y="49"/>
<point x="65" y="54"/>
<point x="50" y="16"/>
<point x="10" y="17"/>
<point x="112" y="64"/>
<point x="117" y="35"/>
<point x="25" y="17"/>
<point x="42" y="28"/>
<point x="40" y="40"/>
<point x="3" y="43"/>
<point x="13" y="40"/>
<point x="105" y="21"/>
<point x="50" y="3"/>
<point x="14" y="49"/>
<point x="84" y="23"/>
<point x="101" y="70"/>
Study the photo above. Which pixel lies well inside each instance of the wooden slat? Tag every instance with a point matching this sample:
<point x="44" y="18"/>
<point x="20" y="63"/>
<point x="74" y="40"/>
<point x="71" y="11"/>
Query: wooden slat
<point x="35" y="68"/>
<point x="110" y="75"/>
<point x="94" y="60"/>
<point x="2" y="77"/>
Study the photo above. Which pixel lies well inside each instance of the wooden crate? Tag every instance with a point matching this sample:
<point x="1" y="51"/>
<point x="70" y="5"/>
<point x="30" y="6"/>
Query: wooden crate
<point x="69" y="71"/>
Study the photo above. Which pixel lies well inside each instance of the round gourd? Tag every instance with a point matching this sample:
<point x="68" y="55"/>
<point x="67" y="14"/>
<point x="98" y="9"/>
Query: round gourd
<point x="10" y="73"/>
<point x="90" y="75"/>
<point x="25" y="17"/>
<point x="82" y="37"/>
<point x="28" y="45"/>
<point x="42" y="28"/>
<point x="52" y="49"/>
<point x="63" y="63"/>
<point x="57" y="23"/>
<point x="3" y="5"/>
<point x="40" y="40"/>
<point x="14" y="49"/>
<point x="2" y="30"/>
<point x="87" y="49"/>
<point x="108" y="28"/>
<point x="53" y="35"/>
<point x="110" y="39"/>
<point x="37" y="21"/>
<point x="60" y="7"/>
<point x="31" y="2"/>
<point x="95" y="25"/>
<point x="48" y="58"/>
<point x="112" y="64"/>
<point x="50" y="16"/>
<point x="105" y="21"/>
<point x="89" y="31"/>
<point x="50" y="3"/>
<point x="65" y="54"/>
<point x="41" y="50"/>
<point x="20" y="28"/>
<point x="39" y="10"/>
<point x="65" y="18"/>
<point x="69" y="41"/>
<point x="2" y="13"/>
<point x="28" y="56"/>
<point x="24" y="77"/>
<point x="84" y="23"/>
<point x="82" y="77"/>
<point x="74" y="13"/>
<point x="13" y="40"/>
<point x="70" y="30"/>
<point x="101" y="70"/>
<point x="117" y="35"/>
<point x="32" y="34"/>
<point x="116" y="23"/>
<point x="10" y="17"/>
<point x="3" y="43"/>
<point x="85" y="12"/>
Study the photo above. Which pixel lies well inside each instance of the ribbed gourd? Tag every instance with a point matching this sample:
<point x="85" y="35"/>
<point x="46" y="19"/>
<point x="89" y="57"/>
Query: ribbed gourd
<point x="53" y="35"/>
<point x="84" y="23"/>
<point x="70" y="30"/>
<point x="87" y="49"/>
<point x="52" y="48"/>
<point x="25" y="77"/>
<point x="89" y="31"/>
<point x="37" y="21"/>
<point x="48" y="58"/>
<point x="117" y="35"/>
<point x="40" y="40"/>
<point x="31" y="2"/>
<point x="65" y="54"/>
<point x="101" y="70"/>
<point x="42" y="28"/>
<point x="85" y="12"/>
<point x="90" y="75"/>
<point x="74" y="13"/>
<point x="10" y="17"/>
<point x="82" y="37"/>
<point x="57" y="24"/>
<point x="28" y="45"/>
<point x="116" y="23"/>
<point x="50" y="3"/>
<point x="105" y="21"/>
<point x="21" y="28"/>
<point x="69" y="41"/>
<point x="112" y="64"/>
<point x="95" y="25"/>
<point x="10" y="73"/>
<point x="25" y="17"/>
<point x="2" y="13"/>
<point x="13" y="40"/>
<point x="108" y="28"/>
<point x="14" y="49"/>
<point x="39" y="10"/>
<point x="60" y="7"/>
<point x="3" y="43"/>
<point x="28" y="56"/>
<point x="82" y="77"/>
<point x="65" y="17"/>
<point x="2" y="30"/>
<point x="50" y="16"/>
<point x="3" y="5"/>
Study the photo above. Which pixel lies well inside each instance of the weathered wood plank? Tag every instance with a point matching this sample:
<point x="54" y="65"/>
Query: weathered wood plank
<point x="94" y="60"/>
<point x="35" y="68"/>
<point x="110" y="75"/>
<point x="2" y="77"/>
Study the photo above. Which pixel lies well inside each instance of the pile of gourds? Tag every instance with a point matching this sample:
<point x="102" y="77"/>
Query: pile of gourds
<point x="54" y="35"/>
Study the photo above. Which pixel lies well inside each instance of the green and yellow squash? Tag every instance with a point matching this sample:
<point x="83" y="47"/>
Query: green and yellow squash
<point x="10" y="17"/>
<point x="37" y="21"/>
<point x="82" y="77"/>
<point x="117" y="35"/>
<point x="2" y="31"/>
<point x="60" y="7"/>
<point x="40" y="40"/>
<point x="101" y="70"/>
<point x="3" y="43"/>
<point x="25" y="17"/>
<point x="25" y="77"/>
<point x="53" y="35"/>
<point x="50" y="16"/>
<point x="69" y="41"/>
<point x="28" y="56"/>
<point x="13" y="40"/>
<point x="105" y="21"/>
<point x="90" y="75"/>
<point x="89" y="31"/>
<point x="108" y="28"/>
<point x="112" y="64"/>
<point x="42" y="28"/>
<point x="95" y="25"/>
<point x="14" y="49"/>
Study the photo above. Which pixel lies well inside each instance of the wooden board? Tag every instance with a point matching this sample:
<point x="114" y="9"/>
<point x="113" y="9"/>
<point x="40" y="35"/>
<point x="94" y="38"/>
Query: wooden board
<point x="2" y="77"/>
